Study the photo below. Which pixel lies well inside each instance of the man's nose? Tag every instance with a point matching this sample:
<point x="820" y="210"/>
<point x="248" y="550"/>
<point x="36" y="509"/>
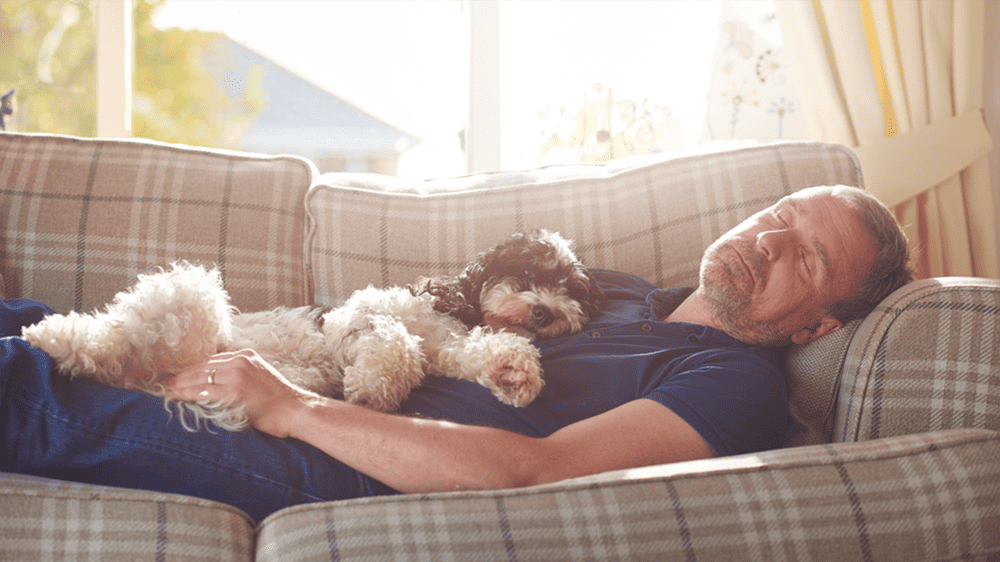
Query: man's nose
<point x="771" y="242"/>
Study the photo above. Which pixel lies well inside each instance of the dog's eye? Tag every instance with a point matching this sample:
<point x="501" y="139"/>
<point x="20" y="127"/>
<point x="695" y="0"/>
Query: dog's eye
<point x="541" y="316"/>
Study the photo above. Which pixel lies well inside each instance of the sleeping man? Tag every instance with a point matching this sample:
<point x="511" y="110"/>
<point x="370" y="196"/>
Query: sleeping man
<point x="658" y="376"/>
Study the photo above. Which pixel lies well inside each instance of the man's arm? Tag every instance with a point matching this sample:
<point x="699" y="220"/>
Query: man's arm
<point x="416" y="455"/>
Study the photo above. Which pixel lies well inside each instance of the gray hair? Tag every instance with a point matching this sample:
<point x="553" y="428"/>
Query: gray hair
<point x="891" y="268"/>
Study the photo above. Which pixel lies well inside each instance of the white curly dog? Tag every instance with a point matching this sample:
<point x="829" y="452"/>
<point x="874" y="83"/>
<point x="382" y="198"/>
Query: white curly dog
<point x="373" y="350"/>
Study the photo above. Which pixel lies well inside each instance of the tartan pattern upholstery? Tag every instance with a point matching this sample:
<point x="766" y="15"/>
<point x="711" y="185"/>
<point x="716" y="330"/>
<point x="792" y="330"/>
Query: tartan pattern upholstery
<point x="649" y="217"/>
<point x="812" y="373"/>
<point x="927" y="359"/>
<point x="43" y="519"/>
<point x="875" y="501"/>
<point x="923" y="362"/>
<point x="82" y="217"/>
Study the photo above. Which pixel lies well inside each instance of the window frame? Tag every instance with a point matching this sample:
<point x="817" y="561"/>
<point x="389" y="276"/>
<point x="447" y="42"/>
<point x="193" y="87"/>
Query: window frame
<point x="115" y="48"/>
<point x="114" y="61"/>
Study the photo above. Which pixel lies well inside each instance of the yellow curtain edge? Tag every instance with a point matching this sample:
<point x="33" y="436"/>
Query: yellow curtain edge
<point x="888" y="112"/>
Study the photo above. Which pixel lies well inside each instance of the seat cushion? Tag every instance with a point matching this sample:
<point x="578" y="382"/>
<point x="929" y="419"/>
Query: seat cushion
<point x="925" y="497"/>
<point x="43" y="519"/>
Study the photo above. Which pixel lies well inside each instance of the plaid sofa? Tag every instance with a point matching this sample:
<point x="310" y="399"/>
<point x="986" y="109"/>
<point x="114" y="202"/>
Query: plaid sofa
<point x="892" y="455"/>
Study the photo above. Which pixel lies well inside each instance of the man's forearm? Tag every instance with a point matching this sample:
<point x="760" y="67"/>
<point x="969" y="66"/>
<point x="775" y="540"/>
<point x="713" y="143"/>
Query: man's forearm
<point x="415" y="455"/>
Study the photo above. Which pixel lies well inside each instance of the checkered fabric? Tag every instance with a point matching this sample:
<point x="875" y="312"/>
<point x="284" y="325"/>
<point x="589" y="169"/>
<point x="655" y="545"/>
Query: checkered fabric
<point x="812" y="373"/>
<point x="42" y="519"/>
<point x="925" y="497"/>
<point x="649" y="217"/>
<point x="927" y="359"/>
<point x="80" y="218"/>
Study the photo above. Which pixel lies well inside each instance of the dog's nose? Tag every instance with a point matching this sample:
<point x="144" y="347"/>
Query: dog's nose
<point x="541" y="316"/>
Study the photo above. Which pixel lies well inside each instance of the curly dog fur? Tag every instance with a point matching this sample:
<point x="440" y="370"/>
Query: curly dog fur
<point x="372" y="350"/>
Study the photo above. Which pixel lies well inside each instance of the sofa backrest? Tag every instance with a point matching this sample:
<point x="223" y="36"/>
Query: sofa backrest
<point x="80" y="218"/>
<point x="651" y="217"/>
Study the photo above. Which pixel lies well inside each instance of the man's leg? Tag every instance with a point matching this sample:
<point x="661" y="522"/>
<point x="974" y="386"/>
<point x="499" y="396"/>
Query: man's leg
<point x="86" y="432"/>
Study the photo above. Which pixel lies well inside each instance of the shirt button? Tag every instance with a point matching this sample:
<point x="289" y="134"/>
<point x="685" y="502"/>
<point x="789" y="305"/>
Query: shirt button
<point x="595" y="334"/>
<point x="647" y="328"/>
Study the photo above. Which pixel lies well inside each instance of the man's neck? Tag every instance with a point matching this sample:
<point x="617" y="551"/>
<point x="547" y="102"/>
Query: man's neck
<point x="694" y="310"/>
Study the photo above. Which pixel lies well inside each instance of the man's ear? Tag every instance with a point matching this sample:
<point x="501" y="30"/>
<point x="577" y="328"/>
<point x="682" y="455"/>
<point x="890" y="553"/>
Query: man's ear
<point x="825" y="325"/>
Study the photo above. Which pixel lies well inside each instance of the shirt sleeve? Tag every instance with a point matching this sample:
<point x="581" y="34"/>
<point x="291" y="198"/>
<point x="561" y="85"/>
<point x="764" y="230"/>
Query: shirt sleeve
<point x="734" y="399"/>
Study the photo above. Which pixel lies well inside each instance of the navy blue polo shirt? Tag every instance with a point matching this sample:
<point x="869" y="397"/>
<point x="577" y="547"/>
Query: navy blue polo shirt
<point x="732" y="393"/>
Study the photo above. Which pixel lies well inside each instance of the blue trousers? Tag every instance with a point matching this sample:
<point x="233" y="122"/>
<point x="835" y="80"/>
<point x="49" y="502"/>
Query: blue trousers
<point x="81" y="431"/>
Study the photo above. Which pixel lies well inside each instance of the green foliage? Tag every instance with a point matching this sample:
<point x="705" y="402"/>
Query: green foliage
<point x="47" y="54"/>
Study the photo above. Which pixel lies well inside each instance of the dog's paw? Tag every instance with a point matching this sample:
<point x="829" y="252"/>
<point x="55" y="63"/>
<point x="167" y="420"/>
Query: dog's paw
<point x="514" y="374"/>
<point x="387" y="366"/>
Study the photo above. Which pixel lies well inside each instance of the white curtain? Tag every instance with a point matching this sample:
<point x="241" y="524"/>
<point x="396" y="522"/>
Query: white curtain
<point x="901" y="82"/>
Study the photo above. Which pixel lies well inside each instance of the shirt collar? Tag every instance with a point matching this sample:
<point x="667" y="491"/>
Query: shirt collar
<point x="664" y="301"/>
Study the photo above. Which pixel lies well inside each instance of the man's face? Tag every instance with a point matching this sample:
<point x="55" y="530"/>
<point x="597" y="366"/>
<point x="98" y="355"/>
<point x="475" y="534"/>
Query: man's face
<point x="771" y="279"/>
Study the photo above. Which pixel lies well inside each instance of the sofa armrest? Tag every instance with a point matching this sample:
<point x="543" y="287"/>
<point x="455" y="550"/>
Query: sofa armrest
<point x="921" y="497"/>
<point x="926" y="359"/>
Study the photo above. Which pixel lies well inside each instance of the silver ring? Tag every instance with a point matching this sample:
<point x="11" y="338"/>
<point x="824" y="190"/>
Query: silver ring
<point x="211" y="377"/>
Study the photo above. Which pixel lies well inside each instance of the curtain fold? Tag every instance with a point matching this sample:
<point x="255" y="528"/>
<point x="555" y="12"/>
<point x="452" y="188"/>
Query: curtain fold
<point x="901" y="82"/>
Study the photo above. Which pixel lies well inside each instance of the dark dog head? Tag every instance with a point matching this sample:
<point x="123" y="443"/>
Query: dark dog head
<point x="532" y="284"/>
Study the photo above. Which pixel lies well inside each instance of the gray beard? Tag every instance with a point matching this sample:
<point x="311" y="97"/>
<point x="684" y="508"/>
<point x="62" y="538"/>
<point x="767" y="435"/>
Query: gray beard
<point x="722" y="283"/>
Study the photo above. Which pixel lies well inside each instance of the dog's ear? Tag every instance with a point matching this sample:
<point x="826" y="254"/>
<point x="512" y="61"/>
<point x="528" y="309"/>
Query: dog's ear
<point x="583" y="288"/>
<point x="450" y="298"/>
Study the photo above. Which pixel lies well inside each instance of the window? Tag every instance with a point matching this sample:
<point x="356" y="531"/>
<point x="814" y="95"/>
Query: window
<point x="597" y="80"/>
<point x="391" y="87"/>
<point x="46" y="56"/>
<point x="359" y="85"/>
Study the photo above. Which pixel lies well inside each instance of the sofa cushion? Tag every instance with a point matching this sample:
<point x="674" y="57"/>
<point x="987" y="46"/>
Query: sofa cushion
<point x="648" y="216"/>
<point x="812" y="372"/>
<point x="43" y="519"/>
<point x="80" y="218"/>
<point x="922" y="497"/>
<point x="927" y="359"/>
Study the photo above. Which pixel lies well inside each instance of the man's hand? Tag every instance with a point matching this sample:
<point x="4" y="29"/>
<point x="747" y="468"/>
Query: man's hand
<point x="245" y="378"/>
